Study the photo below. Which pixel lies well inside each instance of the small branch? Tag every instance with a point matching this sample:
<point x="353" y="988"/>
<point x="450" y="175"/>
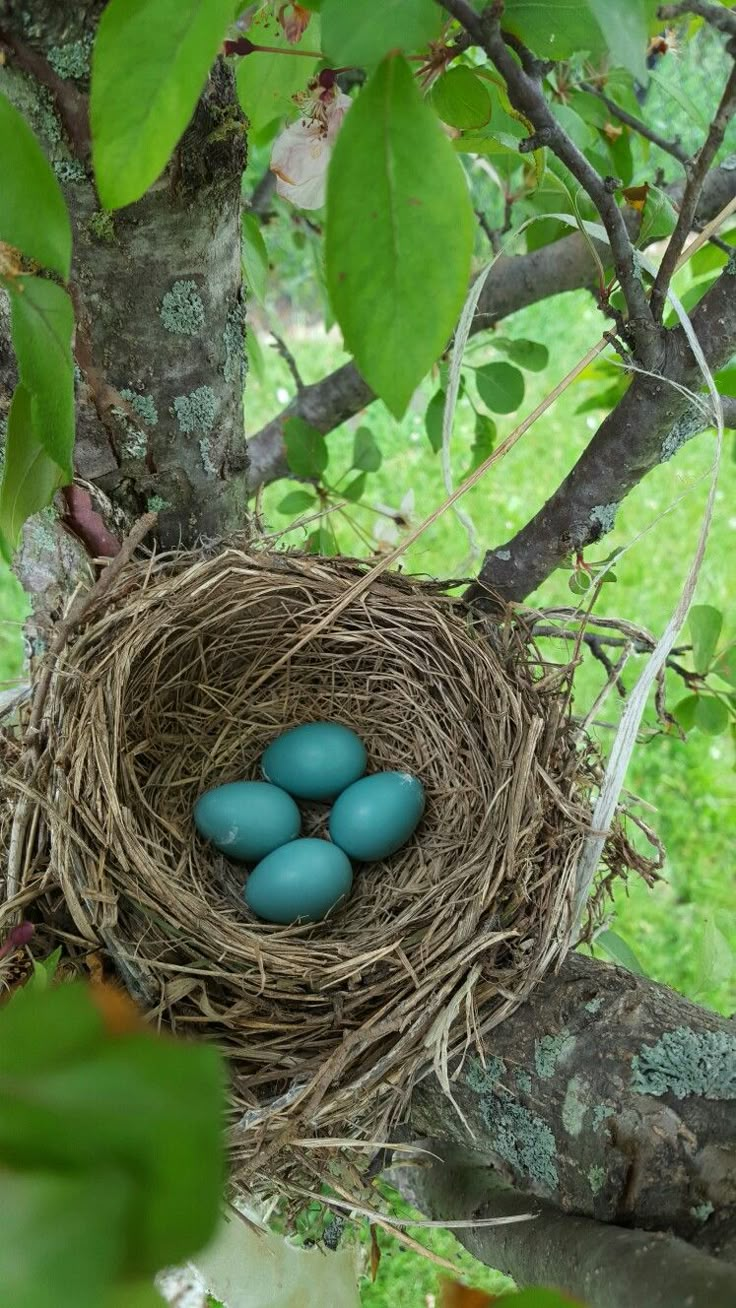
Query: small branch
<point x="526" y="95"/>
<point x="279" y="344"/>
<point x="670" y="147"/>
<point x="697" y="172"/>
<point x="70" y="104"/>
<point x="724" y="20"/>
<point x="260" y="200"/>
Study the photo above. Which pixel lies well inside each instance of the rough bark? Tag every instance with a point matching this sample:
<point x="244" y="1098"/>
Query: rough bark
<point x="157" y="294"/>
<point x="514" y="283"/>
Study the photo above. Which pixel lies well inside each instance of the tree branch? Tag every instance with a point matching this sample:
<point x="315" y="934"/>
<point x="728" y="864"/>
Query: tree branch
<point x="646" y="428"/>
<point x="71" y="105"/>
<point x="724" y="20"/>
<point x="670" y="147"/>
<point x="525" y="94"/>
<point x="697" y="172"/>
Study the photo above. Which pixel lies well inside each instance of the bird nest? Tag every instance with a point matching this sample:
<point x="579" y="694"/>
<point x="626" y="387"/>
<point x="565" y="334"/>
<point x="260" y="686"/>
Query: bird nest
<point x="175" y="681"/>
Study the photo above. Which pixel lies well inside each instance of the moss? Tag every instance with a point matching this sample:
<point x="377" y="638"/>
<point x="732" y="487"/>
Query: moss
<point x="234" y="341"/>
<point x="573" y="1107"/>
<point x="143" y="406"/>
<point x="157" y="504"/>
<point x="551" y="1050"/>
<point x="71" y="60"/>
<point x="182" y="311"/>
<point x="701" y="1212"/>
<point x="45" y="117"/>
<point x="593" y="1005"/>
<point x="196" y="412"/>
<point x="69" y="170"/>
<point x="684" y="1062"/>
<point x="524" y="1082"/>
<point x="596" y="1178"/>
<point x="600" y="1113"/>
<point x="102" y="226"/>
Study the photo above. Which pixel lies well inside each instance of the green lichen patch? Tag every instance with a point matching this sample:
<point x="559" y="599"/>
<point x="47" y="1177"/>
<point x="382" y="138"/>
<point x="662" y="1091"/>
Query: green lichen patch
<point x="596" y="1178"/>
<point x="524" y="1082"/>
<point x="593" y="1005"/>
<point x="135" y="442"/>
<point x="69" y="170"/>
<point x="143" y="405"/>
<point x="523" y="1140"/>
<point x="72" y="59"/>
<point x="234" y="342"/>
<point x="157" y="504"/>
<point x="41" y="528"/>
<point x="182" y="311"/>
<point x="684" y="1062"/>
<point x="701" y="1212"/>
<point x="551" y="1050"/>
<point x="600" y="1113"/>
<point x="574" y="1107"/>
<point x="102" y="226"/>
<point x="196" y="411"/>
<point x="482" y="1076"/>
<point x="205" y="454"/>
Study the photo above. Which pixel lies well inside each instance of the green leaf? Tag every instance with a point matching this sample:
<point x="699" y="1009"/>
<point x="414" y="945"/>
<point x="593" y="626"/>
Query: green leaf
<point x="617" y="949"/>
<point x="711" y="715"/>
<point x="671" y="87"/>
<point x="726" y="381"/>
<point x="461" y="99"/>
<point x="44" y="970"/>
<point x="30" y="477"/>
<point x="659" y="218"/>
<point x="554" y="29"/>
<point x="483" y="445"/>
<point x="366" y="454"/>
<point x="725" y="666"/>
<point x="625" y="29"/>
<point x="705" y="624"/>
<point x="33" y="215"/>
<point x="296" y="502"/>
<point x="266" y="82"/>
<point x="149" y="67"/>
<point x="433" y="420"/>
<point x="255" y="256"/>
<point x="357" y="33"/>
<point x="256" y="362"/>
<point x="528" y="354"/>
<point x="537" y="1297"/>
<point x="306" y="449"/>
<point x="715" y="958"/>
<point x="396" y="191"/>
<point x="42" y="325"/>
<point x="500" y="386"/>
<point x="684" y="712"/>
<point x="355" y="488"/>
<point x="65" y="1232"/>
<point x="581" y="135"/>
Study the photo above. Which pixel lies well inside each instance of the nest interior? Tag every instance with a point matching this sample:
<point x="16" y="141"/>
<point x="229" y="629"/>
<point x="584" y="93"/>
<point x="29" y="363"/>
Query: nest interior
<point x="177" y="683"/>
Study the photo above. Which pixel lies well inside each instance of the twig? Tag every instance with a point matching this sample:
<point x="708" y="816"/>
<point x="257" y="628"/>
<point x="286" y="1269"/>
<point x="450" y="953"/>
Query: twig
<point x="697" y="172"/>
<point x="596" y="643"/>
<point x="70" y="104"/>
<point x="724" y="20"/>
<point x="279" y="344"/>
<point x="526" y="95"/>
<point x="670" y="147"/>
<point x="493" y="234"/>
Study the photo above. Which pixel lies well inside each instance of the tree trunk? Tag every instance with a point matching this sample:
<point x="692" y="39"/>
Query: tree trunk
<point x="159" y="306"/>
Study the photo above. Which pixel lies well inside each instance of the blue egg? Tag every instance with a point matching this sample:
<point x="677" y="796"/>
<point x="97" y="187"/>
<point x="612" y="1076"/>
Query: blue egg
<point x="376" y="815"/>
<point x="247" y="819"/>
<point x="300" y="882"/>
<point x="315" y="761"/>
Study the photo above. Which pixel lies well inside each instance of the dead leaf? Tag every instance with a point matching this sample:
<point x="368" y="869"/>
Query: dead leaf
<point x="119" y="1014"/>
<point x="375" y="1252"/>
<point x="457" y="1295"/>
<point x="611" y="131"/>
<point x="636" y="196"/>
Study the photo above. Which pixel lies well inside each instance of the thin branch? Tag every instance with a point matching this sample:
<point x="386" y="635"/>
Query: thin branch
<point x="724" y="20"/>
<point x="526" y="95"/>
<point x="279" y="344"/>
<point x="70" y="104"/>
<point x="670" y="147"/>
<point x="697" y="173"/>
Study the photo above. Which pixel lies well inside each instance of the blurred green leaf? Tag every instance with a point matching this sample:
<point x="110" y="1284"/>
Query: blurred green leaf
<point x="500" y="386"/>
<point x="617" y="949"/>
<point x="267" y="82"/>
<point x="726" y="380"/>
<point x="684" y="712"/>
<point x="711" y="715"/>
<point x="433" y="420"/>
<point x="366" y="454"/>
<point x="149" y="66"/>
<point x="483" y="445"/>
<point x="392" y="149"/>
<point x="296" y="502"/>
<point x="705" y="624"/>
<point x="254" y="353"/>
<point x="725" y="666"/>
<point x="537" y="1297"/>
<point x="659" y="217"/>
<point x="626" y="31"/>
<point x="255" y="256"/>
<point x="29" y="478"/>
<point x="306" y="449"/>
<point x="33" y="214"/>
<point x="356" y="33"/>
<point x="44" y="970"/>
<point x="355" y="488"/>
<point x="461" y="99"/>
<point x="42" y="326"/>
<point x="715" y="958"/>
<point x="531" y="355"/>
<point x="555" y="29"/>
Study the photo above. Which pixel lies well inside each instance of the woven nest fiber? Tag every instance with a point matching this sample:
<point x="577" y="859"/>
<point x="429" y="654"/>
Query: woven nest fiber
<point x="176" y="682"/>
